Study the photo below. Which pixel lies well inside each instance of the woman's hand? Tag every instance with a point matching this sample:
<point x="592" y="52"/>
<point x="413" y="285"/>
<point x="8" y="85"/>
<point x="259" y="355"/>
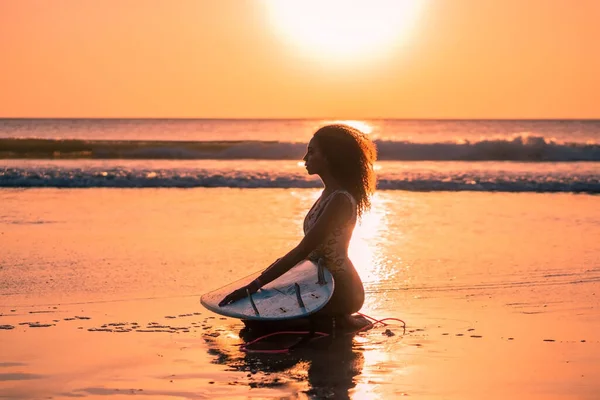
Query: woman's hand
<point x="239" y="293"/>
<point x="234" y="296"/>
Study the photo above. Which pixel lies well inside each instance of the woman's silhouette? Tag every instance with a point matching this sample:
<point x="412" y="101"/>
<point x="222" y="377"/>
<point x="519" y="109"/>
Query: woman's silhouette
<point x="343" y="158"/>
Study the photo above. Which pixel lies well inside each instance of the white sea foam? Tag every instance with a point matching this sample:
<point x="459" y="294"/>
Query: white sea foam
<point x="434" y="176"/>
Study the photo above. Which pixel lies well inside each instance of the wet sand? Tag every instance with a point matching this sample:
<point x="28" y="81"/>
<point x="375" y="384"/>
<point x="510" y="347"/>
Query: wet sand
<point x="100" y="297"/>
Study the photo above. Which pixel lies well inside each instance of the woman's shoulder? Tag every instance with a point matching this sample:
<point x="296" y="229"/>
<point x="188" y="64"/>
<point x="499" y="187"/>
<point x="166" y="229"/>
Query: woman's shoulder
<point x="339" y="197"/>
<point x="345" y="193"/>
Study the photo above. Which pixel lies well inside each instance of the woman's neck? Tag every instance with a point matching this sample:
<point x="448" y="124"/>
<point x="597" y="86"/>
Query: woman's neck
<point x="331" y="185"/>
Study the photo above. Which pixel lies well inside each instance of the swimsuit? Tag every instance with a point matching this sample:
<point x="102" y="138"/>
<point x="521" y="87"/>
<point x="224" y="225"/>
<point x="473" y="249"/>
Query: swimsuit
<point x="348" y="295"/>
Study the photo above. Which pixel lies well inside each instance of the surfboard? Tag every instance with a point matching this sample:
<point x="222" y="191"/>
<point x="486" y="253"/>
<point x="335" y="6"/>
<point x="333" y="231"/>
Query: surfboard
<point x="301" y="291"/>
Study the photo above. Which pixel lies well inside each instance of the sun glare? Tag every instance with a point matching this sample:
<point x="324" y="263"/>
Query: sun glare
<point x="344" y="29"/>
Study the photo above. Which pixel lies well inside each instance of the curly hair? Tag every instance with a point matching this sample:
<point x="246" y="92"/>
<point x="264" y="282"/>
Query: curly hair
<point x="350" y="155"/>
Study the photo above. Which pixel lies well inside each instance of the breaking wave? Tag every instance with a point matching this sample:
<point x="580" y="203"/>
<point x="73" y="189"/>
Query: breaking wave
<point x="528" y="148"/>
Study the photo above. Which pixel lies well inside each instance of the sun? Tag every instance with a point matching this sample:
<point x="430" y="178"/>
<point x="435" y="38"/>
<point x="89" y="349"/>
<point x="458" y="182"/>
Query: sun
<point x="344" y="29"/>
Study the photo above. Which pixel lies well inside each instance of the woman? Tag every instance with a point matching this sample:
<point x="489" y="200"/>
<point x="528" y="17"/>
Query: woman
<point x="343" y="158"/>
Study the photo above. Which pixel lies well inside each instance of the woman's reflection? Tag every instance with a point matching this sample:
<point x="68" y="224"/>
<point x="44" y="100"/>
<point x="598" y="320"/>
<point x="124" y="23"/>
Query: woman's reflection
<point x="329" y="366"/>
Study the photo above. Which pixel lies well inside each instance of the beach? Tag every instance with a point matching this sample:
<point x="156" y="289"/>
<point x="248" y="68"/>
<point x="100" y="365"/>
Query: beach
<point x="100" y="295"/>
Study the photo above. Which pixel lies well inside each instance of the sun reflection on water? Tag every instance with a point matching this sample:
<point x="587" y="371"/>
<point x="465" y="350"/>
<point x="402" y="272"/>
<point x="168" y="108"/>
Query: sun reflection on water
<point x="367" y="236"/>
<point x="356" y="124"/>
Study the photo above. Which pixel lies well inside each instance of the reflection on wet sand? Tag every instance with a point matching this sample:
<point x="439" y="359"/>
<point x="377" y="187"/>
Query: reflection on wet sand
<point x="322" y="368"/>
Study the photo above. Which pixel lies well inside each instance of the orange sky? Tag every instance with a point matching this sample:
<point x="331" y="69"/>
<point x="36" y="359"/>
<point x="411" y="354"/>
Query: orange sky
<point x="224" y="59"/>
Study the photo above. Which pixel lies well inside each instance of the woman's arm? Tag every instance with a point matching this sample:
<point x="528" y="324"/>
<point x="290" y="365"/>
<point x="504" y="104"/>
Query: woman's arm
<point x="337" y="211"/>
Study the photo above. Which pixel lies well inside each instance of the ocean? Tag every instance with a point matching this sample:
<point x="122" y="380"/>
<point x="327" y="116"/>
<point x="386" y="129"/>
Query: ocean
<point x="426" y="155"/>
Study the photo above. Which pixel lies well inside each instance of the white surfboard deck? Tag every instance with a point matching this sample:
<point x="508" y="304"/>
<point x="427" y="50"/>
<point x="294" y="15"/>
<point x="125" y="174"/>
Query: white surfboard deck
<point x="277" y="300"/>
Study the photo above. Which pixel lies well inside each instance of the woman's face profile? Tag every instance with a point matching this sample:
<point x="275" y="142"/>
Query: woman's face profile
<point x="314" y="160"/>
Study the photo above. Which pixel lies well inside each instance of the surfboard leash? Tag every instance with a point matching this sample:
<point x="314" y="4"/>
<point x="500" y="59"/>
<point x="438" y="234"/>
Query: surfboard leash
<point x="310" y="335"/>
